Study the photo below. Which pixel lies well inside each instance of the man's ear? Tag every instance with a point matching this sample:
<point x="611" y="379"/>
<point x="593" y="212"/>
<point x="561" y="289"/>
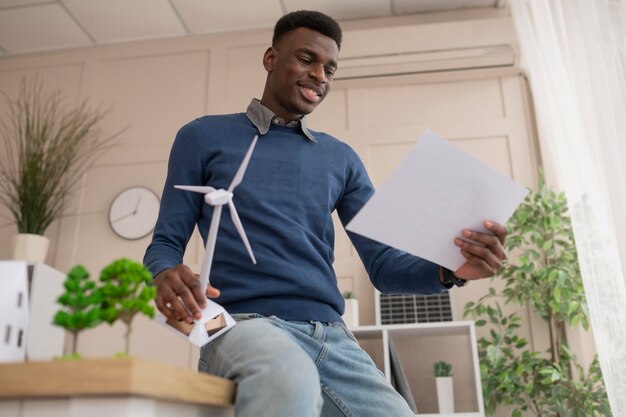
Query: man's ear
<point x="269" y="58"/>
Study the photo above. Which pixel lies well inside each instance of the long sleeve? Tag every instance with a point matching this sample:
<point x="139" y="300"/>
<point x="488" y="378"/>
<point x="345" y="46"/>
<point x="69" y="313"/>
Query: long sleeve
<point x="179" y="211"/>
<point x="390" y="270"/>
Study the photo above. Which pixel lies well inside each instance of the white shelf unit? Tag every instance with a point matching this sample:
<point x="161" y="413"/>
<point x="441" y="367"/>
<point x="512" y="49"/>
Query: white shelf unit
<point x="419" y="346"/>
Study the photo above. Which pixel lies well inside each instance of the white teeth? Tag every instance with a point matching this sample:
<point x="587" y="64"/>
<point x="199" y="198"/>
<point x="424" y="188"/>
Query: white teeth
<point x="311" y="94"/>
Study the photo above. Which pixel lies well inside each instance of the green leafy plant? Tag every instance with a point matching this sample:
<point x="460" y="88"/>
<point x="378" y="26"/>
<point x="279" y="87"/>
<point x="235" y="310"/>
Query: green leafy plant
<point x="126" y="291"/>
<point x="348" y="295"/>
<point x="546" y="277"/>
<point x="442" y="369"/>
<point x="48" y="147"/>
<point x="81" y="304"/>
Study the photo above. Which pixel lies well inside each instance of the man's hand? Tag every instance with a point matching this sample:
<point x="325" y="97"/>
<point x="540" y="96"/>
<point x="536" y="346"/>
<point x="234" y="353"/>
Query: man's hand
<point x="483" y="257"/>
<point x="179" y="296"/>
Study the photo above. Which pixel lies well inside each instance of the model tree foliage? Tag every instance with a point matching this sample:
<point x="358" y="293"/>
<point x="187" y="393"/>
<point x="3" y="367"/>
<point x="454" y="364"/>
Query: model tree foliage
<point x="546" y="277"/>
<point x="81" y="304"/>
<point x="126" y="291"/>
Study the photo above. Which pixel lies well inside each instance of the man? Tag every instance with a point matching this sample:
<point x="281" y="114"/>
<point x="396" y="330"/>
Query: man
<point x="290" y="354"/>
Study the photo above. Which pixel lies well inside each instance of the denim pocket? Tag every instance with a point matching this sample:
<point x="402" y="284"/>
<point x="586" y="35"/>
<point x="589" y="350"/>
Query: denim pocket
<point x="348" y="332"/>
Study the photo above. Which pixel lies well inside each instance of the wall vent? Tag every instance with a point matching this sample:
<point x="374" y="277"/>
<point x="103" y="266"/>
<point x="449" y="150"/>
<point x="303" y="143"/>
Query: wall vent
<point x="402" y="308"/>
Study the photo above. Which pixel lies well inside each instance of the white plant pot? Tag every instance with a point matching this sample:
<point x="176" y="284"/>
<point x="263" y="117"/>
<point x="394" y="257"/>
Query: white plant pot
<point x="30" y="248"/>
<point x="351" y="315"/>
<point x="445" y="394"/>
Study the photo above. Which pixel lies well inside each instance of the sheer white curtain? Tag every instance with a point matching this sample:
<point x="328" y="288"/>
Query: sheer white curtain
<point x="574" y="52"/>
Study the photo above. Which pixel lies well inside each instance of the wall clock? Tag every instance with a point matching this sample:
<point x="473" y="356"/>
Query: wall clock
<point x="133" y="212"/>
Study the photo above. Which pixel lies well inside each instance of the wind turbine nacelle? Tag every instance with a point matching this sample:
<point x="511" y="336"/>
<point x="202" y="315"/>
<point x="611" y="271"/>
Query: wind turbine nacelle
<point x="218" y="197"/>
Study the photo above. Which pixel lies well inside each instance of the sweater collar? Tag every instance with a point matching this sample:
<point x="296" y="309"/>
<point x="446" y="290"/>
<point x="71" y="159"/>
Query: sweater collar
<point x="263" y="118"/>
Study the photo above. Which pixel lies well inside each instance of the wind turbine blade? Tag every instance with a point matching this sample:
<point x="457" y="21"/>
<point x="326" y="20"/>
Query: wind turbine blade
<point x="239" y="226"/>
<point x="210" y="248"/>
<point x="244" y="164"/>
<point x="195" y="188"/>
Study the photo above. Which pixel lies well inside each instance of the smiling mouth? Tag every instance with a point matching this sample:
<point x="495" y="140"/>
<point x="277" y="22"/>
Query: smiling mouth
<point x="312" y="94"/>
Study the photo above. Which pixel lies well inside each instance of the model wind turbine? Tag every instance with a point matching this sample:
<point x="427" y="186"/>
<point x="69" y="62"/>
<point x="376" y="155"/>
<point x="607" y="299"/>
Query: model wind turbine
<point x="215" y="320"/>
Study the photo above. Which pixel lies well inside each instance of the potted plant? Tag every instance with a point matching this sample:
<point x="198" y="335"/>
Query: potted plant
<point x="445" y="390"/>
<point x="48" y="145"/>
<point x="546" y="277"/>
<point x="351" y="312"/>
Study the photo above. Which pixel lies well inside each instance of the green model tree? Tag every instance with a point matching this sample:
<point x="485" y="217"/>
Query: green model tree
<point x="126" y="291"/>
<point x="81" y="304"/>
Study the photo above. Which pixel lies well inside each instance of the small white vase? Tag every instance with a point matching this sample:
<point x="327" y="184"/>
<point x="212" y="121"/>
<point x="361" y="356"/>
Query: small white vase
<point x="30" y="247"/>
<point x="351" y="314"/>
<point x="445" y="394"/>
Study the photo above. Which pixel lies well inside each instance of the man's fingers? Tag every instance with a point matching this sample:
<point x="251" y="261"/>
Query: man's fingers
<point x="491" y="242"/>
<point x="480" y="252"/>
<point x="188" y="298"/>
<point x="161" y="305"/>
<point x="179" y="294"/>
<point x="499" y="230"/>
<point x="481" y="268"/>
<point x="193" y="284"/>
<point x="172" y="308"/>
<point x="212" y="292"/>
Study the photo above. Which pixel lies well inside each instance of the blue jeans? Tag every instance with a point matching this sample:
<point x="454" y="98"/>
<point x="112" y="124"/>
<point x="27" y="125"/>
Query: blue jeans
<point x="299" y="369"/>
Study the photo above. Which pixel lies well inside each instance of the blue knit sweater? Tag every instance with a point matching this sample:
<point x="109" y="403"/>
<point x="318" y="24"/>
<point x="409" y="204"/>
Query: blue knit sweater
<point x="291" y="187"/>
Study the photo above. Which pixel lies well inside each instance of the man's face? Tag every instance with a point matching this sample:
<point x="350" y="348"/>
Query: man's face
<point x="300" y="73"/>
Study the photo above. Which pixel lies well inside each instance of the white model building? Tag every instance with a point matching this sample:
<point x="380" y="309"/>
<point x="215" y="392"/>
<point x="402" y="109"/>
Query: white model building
<point x="13" y="310"/>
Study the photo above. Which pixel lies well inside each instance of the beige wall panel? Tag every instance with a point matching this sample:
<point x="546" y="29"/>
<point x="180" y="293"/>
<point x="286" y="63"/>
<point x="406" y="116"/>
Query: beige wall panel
<point x="103" y="183"/>
<point x="493" y="152"/>
<point x="7" y="231"/>
<point x="154" y="95"/>
<point x="435" y="102"/>
<point x="346" y="283"/>
<point x="245" y="77"/>
<point x="66" y="78"/>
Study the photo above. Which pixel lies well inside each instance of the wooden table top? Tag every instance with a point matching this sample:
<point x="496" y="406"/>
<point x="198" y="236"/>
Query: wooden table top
<point x="112" y="376"/>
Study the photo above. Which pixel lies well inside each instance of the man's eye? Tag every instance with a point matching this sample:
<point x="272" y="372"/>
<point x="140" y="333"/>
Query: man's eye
<point x="304" y="60"/>
<point x="330" y="72"/>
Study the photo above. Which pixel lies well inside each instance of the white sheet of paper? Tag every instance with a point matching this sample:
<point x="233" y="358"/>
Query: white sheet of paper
<point x="437" y="191"/>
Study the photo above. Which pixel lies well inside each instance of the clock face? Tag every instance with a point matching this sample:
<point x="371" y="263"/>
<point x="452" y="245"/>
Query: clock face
<point x="134" y="212"/>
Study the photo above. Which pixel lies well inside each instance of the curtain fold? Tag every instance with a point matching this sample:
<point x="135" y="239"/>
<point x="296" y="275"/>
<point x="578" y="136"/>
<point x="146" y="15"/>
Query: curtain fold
<point x="574" y="52"/>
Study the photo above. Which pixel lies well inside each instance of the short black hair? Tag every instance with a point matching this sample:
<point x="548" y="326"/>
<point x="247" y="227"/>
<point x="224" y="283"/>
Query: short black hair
<point x="309" y="19"/>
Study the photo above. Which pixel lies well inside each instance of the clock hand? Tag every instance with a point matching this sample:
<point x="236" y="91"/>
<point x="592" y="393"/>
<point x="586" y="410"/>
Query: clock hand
<point x="132" y="213"/>
<point x="137" y="205"/>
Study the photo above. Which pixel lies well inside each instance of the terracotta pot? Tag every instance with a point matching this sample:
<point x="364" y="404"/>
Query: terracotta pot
<point x="30" y="247"/>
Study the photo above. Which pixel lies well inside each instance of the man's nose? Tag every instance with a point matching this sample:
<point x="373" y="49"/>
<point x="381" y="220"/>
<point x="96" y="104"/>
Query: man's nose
<point x="318" y="72"/>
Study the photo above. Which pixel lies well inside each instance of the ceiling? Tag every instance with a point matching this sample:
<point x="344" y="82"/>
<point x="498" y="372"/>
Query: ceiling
<point x="28" y="26"/>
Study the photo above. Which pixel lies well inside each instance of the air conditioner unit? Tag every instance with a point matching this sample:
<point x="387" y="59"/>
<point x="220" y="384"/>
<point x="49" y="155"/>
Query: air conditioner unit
<point x="498" y="56"/>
